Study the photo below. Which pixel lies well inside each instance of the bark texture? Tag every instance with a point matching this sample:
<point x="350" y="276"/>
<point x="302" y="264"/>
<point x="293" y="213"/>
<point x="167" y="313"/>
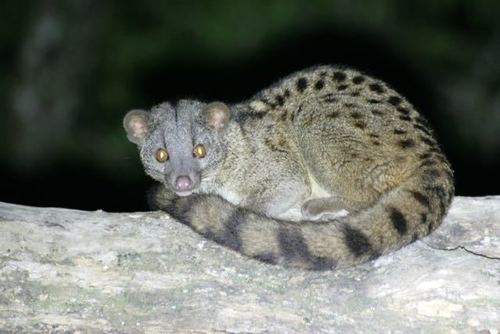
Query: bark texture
<point x="96" y="272"/>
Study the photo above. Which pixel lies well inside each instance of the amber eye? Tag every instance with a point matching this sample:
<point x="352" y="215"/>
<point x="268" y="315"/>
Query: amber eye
<point x="161" y="155"/>
<point x="199" y="151"/>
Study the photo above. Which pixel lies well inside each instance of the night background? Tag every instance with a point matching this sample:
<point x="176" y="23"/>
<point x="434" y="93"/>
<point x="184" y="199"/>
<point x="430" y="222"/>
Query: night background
<point x="71" y="69"/>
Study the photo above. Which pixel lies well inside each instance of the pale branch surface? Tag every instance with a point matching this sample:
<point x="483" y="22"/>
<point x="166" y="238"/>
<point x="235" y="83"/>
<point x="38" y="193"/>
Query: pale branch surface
<point x="97" y="272"/>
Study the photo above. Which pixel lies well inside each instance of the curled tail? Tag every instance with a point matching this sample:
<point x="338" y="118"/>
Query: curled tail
<point x="411" y="211"/>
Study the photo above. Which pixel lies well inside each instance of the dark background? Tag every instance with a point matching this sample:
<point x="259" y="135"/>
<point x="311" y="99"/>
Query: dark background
<point x="71" y="69"/>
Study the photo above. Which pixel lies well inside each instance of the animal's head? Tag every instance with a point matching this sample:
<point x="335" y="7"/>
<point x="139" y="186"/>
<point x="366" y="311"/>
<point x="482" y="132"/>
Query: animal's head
<point x="179" y="143"/>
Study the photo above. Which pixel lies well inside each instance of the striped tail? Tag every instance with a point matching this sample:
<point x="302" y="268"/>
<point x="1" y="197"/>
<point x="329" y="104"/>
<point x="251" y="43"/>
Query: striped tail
<point x="399" y="217"/>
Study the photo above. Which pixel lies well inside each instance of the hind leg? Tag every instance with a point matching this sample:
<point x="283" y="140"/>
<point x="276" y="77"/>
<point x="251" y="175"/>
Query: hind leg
<point x="326" y="208"/>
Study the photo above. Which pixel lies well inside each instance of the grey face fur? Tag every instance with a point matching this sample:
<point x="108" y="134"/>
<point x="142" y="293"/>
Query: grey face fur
<point x="178" y="130"/>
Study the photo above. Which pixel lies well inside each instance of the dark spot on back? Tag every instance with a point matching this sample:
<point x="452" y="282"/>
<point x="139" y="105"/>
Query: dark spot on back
<point x="422" y="121"/>
<point x="287" y="93"/>
<point x="374" y="135"/>
<point x="244" y="116"/>
<point x="297" y="112"/>
<point x="405" y="118"/>
<point x="333" y="114"/>
<point x="399" y="132"/>
<point x="377" y="112"/>
<point x="280" y="100"/>
<point x="267" y="102"/>
<point x="398" y="220"/>
<point x="319" y="85"/>
<point x="339" y="76"/>
<point x="435" y="149"/>
<point x="377" y="88"/>
<point x="349" y="105"/>
<point x="356" y="115"/>
<point x="428" y="163"/>
<point x="430" y="142"/>
<point x="358" y="79"/>
<point x="354" y="94"/>
<point x="276" y="145"/>
<point x="330" y="97"/>
<point x="356" y="241"/>
<point x="423" y="218"/>
<point x="341" y="87"/>
<point x="394" y="100"/>
<point x="432" y="173"/>
<point x="282" y="115"/>
<point x="360" y="125"/>
<point x="403" y="110"/>
<point x="414" y="237"/>
<point x="406" y="143"/>
<point x="301" y="84"/>
<point x="373" y="101"/>
<point x="309" y="120"/>
<point x="376" y="142"/>
<point x="421" y="198"/>
<point x="423" y="129"/>
<point x="442" y="196"/>
<point x="439" y="192"/>
<point x="425" y="155"/>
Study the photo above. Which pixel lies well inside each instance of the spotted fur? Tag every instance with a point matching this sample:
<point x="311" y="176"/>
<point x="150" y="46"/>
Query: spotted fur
<point x="319" y="141"/>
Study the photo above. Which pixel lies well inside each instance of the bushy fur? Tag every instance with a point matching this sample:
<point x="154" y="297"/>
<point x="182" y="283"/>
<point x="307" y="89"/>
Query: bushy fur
<point x="326" y="168"/>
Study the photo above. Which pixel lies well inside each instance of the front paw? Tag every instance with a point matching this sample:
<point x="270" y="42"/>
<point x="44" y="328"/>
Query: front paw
<point x="316" y="210"/>
<point x="309" y="210"/>
<point x="160" y="198"/>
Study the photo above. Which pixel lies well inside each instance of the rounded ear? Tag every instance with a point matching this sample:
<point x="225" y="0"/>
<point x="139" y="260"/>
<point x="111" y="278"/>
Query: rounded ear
<point x="217" y="115"/>
<point x="135" y="123"/>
